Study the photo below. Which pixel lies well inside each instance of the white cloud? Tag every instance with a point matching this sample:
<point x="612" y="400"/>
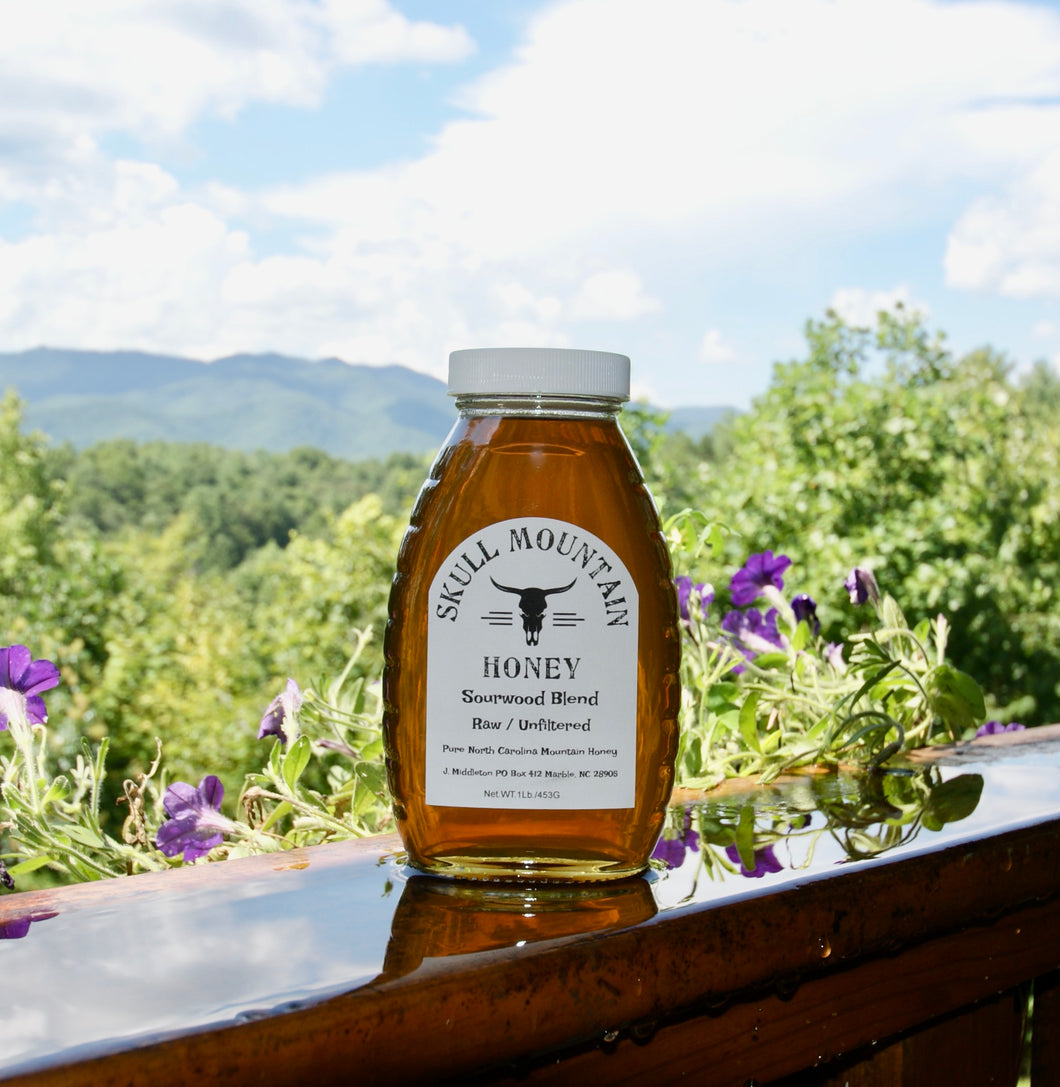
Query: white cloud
<point x="614" y="295"/>
<point x="860" y="307"/>
<point x="515" y="300"/>
<point x="146" y="268"/>
<point x="71" y="72"/>
<point x="1010" y="243"/>
<point x="622" y="145"/>
<point x="728" y="132"/>
<point x="714" y="349"/>
<point x="371" y="32"/>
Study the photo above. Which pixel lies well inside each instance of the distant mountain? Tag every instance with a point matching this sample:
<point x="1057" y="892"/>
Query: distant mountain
<point x="271" y="402"/>
<point x="249" y="402"/>
<point x="697" y="421"/>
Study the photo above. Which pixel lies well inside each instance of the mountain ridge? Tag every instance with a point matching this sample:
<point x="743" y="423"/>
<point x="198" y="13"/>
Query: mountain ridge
<point x="267" y="401"/>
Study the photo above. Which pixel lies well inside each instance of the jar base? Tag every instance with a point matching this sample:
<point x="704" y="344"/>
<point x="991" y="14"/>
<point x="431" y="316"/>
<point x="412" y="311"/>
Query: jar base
<point x="528" y="869"/>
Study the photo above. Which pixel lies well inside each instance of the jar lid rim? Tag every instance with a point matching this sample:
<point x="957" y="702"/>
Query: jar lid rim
<point x="538" y="371"/>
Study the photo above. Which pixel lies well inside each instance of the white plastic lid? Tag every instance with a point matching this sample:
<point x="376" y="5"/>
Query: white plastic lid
<point x="538" y="371"/>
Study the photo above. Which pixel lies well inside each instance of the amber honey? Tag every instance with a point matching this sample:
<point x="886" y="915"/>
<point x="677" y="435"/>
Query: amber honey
<point x="438" y="918"/>
<point x="531" y="688"/>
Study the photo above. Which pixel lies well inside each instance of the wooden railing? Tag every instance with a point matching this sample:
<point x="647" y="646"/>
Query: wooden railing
<point x="888" y="945"/>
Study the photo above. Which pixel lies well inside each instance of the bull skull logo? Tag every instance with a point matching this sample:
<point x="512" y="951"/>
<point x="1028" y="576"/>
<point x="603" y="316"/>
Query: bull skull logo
<point x="532" y="605"/>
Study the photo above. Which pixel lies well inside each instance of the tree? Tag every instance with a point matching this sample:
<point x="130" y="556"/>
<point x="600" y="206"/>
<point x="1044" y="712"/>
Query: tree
<point x="882" y="449"/>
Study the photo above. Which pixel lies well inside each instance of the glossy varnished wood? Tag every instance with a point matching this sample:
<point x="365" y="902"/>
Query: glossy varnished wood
<point x="878" y="970"/>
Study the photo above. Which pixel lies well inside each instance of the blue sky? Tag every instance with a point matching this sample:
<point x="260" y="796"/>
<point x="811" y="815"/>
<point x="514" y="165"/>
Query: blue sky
<point x="687" y="181"/>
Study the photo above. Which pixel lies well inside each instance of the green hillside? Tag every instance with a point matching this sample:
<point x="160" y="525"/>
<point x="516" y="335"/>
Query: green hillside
<point x="248" y="402"/>
<point x="265" y="402"/>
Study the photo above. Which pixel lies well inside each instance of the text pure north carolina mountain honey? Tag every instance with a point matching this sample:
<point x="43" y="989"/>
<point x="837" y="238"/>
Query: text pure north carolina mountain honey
<point x="531" y="686"/>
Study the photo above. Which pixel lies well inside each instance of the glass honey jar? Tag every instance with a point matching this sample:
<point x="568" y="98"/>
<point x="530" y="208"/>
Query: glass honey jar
<point x="531" y="686"/>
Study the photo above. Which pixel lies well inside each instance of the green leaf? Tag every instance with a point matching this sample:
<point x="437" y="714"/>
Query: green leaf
<point x="745" y="837"/>
<point x="58" y="790"/>
<point x="869" y="683"/>
<point x="373" y="750"/>
<point x="296" y="760"/>
<point x="365" y="799"/>
<point x="953" y="800"/>
<point x="373" y="774"/>
<point x="712" y="830"/>
<point x="358" y="696"/>
<point x="892" y="614"/>
<point x="771" y="741"/>
<point x="749" y="723"/>
<point x="722" y="696"/>
<point x="771" y="660"/>
<point x="83" y="835"/>
<point x="30" y="865"/>
<point x="955" y="697"/>
<point x="275" y="757"/>
<point x="281" y="809"/>
<point x="693" y="755"/>
<point x="729" y="722"/>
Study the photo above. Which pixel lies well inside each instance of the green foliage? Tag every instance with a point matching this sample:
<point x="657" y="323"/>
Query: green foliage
<point x="118" y="566"/>
<point x="881" y="449"/>
<point x="177" y="587"/>
<point x="645" y="431"/>
<point x="58" y="589"/>
<point x="242" y="402"/>
<point x="324" y="783"/>
<point x="761" y="700"/>
<point x="237" y="502"/>
<point x="28" y="498"/>
<point x="310" y="596"/>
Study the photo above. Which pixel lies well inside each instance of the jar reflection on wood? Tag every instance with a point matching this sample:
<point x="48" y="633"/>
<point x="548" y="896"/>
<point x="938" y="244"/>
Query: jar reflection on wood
<point x="438" y="918"/>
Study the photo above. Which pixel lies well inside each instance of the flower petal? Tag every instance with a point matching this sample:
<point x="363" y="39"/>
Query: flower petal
<point x="211" y="791"/>
<point x="804" y="608"/>
<point x="992" y="728"/>
<point x="272" y="721"/>
<point x="16" y="659"/>
<point x="36" y="711"/>
<point x="180" y="799"/>
<point x="188" y="837"/>
<point x="41" y="675"/>
<point x="861" y="585"/>
<point x="195" y="824"/>
<point x="765" y="861"/>
<point x="761" y="570"/>
<point x="16" y="928"/>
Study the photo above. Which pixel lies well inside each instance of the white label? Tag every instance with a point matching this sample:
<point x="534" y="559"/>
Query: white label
<point x="532" y="671"/>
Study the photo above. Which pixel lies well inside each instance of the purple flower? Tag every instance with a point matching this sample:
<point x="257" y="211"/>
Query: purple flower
<point x="765" y="861"/>
<point x="752" y="633"/>
<point x="862" y="586"/>
<point x="992" y="728"/>
<point x="757" y="632"/>
<point x="15" y="928"/>
<point x="20" y="673"/>
<point x="761" y="571"/>
<point x="685" y="588"/>
<point x="282" y="709"/>
<point x="833" y="653"/>
<point x="195" y="824"/>
<point x="671" y="851"/>
<point x="805" y="609"/>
